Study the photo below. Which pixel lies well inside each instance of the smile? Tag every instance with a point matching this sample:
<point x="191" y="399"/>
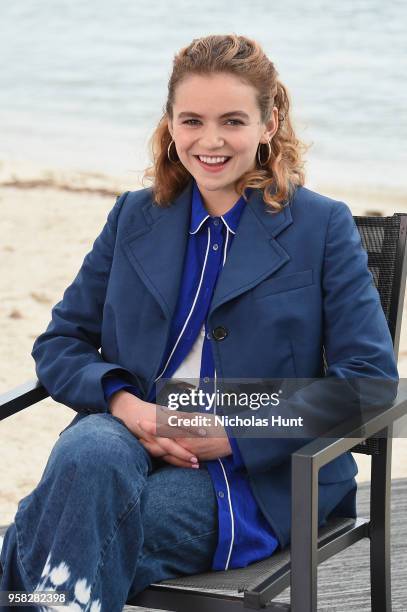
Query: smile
<point x="212" y="163"/>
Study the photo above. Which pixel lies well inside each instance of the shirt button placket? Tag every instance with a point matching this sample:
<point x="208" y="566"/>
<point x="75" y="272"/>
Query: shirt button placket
<point x="217" y="233"/>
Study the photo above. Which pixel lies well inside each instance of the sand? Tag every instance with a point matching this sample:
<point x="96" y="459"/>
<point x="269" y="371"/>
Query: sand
<point x="49" y="221"/>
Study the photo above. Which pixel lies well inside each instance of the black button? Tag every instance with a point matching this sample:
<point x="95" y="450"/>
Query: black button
<point x="219" y="333"/>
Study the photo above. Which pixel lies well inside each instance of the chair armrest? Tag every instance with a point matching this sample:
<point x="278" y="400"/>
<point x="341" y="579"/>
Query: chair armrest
<point x="21" y="397"/>
<point x="344" y="437"/>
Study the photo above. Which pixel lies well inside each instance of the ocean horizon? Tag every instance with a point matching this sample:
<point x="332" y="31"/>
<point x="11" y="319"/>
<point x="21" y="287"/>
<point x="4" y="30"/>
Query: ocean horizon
<point x="83" y="85"/>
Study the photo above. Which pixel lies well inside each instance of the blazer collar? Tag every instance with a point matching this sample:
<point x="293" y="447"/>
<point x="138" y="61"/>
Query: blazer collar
<point x="157" y="249"/>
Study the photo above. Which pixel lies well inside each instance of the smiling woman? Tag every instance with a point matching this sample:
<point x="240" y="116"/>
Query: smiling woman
<point x="229" y="104"/>
<point x="222" y="144"/>
<point x="226" y="268"/>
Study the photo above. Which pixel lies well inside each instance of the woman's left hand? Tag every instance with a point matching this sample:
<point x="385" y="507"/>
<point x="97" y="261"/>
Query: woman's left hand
<point x="208" y="442"/>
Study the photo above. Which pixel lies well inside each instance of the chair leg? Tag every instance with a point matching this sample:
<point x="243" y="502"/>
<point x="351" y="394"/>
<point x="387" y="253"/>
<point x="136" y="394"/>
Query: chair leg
<point x="380" y="561"/>
<point x="304" y="535"/>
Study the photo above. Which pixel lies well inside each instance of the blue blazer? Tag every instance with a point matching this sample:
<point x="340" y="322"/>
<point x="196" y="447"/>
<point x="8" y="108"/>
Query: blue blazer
<point x="293" y="283"/>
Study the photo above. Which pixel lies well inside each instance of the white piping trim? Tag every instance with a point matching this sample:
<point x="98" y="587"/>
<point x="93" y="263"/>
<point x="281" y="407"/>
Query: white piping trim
<point x="226" y="246"/>
<point x="216" y="404"/>
<point x="232" y="518"/>
<point x="229" y="228"/>
<point x="192" y="307"/>
<point x="203" y="220"/>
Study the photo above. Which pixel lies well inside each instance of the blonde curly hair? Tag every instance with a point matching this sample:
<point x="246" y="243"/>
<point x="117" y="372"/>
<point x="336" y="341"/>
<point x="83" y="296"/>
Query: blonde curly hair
<point x="244" y="58"/>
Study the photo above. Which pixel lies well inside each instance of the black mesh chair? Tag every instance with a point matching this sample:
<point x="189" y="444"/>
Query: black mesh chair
<point x="256" y="586"/>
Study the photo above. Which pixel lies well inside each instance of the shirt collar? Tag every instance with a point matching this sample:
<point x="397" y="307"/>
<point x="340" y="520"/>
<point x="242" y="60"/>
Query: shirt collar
<point x="199" y="214"/>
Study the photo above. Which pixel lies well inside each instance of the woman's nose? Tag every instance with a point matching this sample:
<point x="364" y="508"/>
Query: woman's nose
<point x="212" y="138"/>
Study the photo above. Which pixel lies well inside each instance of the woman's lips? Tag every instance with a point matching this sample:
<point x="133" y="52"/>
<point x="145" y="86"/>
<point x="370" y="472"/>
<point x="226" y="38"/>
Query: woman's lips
<point x="212" y="167"/>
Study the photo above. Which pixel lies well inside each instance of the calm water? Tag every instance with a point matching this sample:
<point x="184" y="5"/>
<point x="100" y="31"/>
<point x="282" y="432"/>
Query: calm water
<point x="83" y="83"/>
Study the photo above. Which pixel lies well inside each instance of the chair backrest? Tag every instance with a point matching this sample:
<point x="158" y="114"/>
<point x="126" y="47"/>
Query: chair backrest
<point x="384" y="239"/>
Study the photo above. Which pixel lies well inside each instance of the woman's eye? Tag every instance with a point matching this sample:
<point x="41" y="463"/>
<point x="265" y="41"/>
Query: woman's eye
<point x="195" y="121"/>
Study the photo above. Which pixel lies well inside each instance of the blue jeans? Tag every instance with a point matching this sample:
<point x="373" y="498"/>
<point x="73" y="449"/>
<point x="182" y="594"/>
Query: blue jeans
<point x="107" y="519"/>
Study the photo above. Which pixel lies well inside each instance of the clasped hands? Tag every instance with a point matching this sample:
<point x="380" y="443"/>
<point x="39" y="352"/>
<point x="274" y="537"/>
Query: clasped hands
<point x="183" y="446"/>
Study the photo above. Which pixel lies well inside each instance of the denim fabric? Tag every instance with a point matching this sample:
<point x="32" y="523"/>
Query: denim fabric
<point x="107" y="519"/>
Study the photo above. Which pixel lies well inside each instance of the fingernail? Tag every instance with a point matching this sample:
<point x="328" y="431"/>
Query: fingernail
<point x="195" y="465"/>
<point x="194" y="460"/>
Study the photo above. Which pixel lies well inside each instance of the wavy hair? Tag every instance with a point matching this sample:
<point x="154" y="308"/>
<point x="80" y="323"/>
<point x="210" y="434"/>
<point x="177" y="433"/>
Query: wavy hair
<point x="244" y="58"/>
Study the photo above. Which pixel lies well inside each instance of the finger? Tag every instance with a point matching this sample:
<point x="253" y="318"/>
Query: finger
<point x="174" y="448"/>
<point x="179" y="462"/>
<point x="154" y="449"/>
<point x="145" y="429"/>
<point x="142" y="434"/>
<point x="170" y="446"/>
<point x="163" y="428"/>
<point x="157" y="451"/>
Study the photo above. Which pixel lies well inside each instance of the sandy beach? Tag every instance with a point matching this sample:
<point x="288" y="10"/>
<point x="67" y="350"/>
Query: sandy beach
<point x="48" y="223"/>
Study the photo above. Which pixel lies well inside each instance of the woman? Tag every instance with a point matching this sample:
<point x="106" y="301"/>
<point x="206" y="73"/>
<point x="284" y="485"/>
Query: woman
<point x="226" y="268"/>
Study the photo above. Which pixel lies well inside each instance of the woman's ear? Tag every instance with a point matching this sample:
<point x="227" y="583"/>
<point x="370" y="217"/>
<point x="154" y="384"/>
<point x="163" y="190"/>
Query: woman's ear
<point x="170" y="127"/>
<point x="271" y="126"/>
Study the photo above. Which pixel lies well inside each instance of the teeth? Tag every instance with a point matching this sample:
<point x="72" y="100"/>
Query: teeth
<point x="212" y="160"/>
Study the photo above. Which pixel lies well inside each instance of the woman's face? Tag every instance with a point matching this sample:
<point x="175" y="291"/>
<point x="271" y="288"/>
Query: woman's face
<point x="218" y="116"/>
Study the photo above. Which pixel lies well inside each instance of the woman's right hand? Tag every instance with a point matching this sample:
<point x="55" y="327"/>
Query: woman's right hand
<point x="131" y="409"/>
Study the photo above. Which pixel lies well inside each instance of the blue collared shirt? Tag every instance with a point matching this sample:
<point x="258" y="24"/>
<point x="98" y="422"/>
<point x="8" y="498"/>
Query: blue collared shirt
<point x="245" y="536"/>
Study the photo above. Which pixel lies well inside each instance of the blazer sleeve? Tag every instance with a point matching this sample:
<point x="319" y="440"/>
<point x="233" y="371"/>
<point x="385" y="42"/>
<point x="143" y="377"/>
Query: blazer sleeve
<point x="67" y="358"/>
<point x="362" y="371"/>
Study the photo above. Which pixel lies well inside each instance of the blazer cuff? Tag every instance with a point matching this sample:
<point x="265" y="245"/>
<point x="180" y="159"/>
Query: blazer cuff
<point x="85" y="393"/>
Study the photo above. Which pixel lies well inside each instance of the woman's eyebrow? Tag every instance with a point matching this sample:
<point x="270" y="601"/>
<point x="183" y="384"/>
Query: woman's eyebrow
<point x="234" y="113"/>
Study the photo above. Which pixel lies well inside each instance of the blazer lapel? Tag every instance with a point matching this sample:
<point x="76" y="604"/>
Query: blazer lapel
<point x="255" y="253"/>
<point x="157" y="249"/>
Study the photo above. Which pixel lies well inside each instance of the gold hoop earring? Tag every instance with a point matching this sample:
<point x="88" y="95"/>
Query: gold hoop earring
<point x="258" y="154"/>
<point x="169" y="156"/>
